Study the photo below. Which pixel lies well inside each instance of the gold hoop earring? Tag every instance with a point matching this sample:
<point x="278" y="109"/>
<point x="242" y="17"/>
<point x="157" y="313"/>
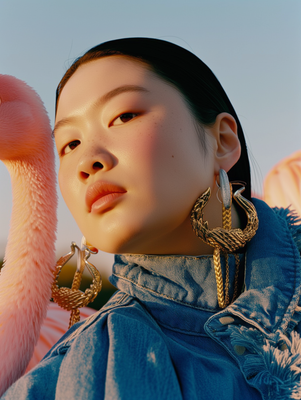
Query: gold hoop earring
<point x="225" y="239"/>
<point x="71" y="299"/>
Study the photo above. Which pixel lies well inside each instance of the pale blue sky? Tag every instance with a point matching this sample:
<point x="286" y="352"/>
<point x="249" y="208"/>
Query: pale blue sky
<point x="253" y="46"/>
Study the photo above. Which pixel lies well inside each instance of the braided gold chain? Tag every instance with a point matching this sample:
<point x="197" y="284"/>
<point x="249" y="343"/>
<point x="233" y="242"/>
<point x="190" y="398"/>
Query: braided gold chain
<point x="222" y="238"/>
<point x="72" y="299"/>
<point x="225" y="239"/>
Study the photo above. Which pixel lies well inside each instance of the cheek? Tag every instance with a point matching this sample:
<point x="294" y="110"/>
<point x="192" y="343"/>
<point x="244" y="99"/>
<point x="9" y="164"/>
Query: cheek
<point x="67" y="186"/>
<point x="166" y="154"/>
<point x="61" y="179"/>
<point x="165" y="163"/>
<point x="147" y="157"/>
<point x="156" y="142"/>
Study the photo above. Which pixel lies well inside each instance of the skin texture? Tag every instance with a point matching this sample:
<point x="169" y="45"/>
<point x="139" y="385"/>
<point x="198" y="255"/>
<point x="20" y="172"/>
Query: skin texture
<point x="144" y="141"/>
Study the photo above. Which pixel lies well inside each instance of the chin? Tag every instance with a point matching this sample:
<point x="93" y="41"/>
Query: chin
<point x="110" y="246"/>
<point x="118" y="236"/>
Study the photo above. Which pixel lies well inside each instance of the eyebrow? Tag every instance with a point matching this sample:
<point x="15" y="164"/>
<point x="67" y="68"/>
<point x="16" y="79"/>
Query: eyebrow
<point x="100" y="102"/>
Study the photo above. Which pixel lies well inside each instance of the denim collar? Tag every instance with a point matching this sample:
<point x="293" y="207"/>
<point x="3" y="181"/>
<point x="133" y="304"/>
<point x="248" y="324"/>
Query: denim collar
<point x="187" y="280"/>
<point x="273" y="273"/>
<point x="272" y="277"/>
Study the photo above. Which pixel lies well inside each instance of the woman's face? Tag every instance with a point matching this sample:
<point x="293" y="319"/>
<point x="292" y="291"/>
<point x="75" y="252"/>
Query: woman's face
<point x="131" y="164"/>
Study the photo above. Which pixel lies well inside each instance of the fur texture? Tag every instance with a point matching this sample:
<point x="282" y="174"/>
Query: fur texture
<point x="26" y="148"/>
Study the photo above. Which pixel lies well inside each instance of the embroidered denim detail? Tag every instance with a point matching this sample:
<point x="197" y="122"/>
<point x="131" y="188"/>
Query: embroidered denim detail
<point x="273" y="274"/>
<point x="295" y="319"/>
<point x="275" y="369"/>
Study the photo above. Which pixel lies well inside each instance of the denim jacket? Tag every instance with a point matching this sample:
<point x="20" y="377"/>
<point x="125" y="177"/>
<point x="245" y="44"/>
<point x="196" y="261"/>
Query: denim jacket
<point x="162" y="335"/>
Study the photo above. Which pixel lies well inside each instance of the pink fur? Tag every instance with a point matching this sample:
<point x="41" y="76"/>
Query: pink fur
<point x="26" y="148"/>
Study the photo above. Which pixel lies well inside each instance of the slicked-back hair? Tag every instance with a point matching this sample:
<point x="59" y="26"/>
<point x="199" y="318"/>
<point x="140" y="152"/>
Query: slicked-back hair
<point x="201" y="89"/>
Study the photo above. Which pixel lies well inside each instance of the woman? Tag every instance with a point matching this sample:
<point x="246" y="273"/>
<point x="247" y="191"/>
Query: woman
<point x="143" y="130"/>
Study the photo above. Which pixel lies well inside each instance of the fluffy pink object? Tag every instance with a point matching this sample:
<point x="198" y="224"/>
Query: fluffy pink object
<point x="282" y="185"/>
<point x="55" y="325"/>
<point x="26" y="148"/>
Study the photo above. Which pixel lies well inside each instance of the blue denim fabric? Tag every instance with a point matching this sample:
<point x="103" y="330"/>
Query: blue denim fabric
<point x="162" y="336"/>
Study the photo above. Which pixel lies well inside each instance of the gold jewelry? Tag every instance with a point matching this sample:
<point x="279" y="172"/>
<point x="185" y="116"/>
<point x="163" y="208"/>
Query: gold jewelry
<point x="72" y="299"/>
<point x="225" y="239"/>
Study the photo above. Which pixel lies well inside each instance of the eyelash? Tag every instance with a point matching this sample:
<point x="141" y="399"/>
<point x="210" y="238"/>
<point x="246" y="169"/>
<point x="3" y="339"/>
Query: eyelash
<point x="134" y="115"/>
<point x="77" y="142"/>
<point x="64" y="149"/>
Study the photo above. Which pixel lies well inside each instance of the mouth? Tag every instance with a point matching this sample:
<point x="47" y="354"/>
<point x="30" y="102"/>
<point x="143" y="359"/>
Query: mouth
<point x="102" y="195"/>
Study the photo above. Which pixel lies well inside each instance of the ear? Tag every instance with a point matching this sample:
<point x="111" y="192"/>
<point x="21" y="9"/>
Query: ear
<point x="227" y="151"/>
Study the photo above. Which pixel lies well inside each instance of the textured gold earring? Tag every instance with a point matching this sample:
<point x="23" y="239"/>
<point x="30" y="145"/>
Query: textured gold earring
<point x="72" y="299"/>
<point x="224" y="239"/>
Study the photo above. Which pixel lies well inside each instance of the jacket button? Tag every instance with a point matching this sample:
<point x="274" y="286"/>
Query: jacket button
<point x="283" y="347"/>
<point x="251" y="376"/>
<point x="226" y="320"/>
<point x="239" y="350"/>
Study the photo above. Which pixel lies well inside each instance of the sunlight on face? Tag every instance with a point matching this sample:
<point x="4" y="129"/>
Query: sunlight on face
<point x="131" y="165"/>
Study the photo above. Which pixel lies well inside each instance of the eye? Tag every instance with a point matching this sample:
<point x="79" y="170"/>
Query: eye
<point x="123" y="118"/>
<point x="70" y="146"/>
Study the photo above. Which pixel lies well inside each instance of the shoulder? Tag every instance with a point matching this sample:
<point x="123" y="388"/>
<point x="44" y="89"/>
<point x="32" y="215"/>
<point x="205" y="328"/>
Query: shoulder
<point x="121" y="313"/>
<point x="98" y="357"/>
<point x="293" y="221"/>
<point x="121" y="343"/>
<point x="285" y="221"/>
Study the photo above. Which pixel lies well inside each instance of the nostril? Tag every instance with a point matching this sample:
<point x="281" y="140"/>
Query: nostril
<point x="84" y="175"/>
<point x="97" y="165"/>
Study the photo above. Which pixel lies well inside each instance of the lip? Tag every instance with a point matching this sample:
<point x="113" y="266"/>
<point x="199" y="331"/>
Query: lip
<point x="101" y="195"/>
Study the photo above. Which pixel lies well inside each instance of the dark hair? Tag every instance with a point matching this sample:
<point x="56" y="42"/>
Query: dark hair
<point x="200" y="87"/>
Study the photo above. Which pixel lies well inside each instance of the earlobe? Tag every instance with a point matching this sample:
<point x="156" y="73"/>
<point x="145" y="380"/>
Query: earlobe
<point x="228" y="146"/>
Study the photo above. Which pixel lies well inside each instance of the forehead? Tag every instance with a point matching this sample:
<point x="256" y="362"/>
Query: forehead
<point x="98" y="77"/>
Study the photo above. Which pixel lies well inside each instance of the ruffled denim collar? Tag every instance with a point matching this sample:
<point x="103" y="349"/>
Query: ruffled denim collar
<point x="188" y="280"/>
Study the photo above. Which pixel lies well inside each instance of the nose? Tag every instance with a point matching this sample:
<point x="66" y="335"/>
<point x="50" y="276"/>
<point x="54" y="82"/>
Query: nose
<point x="92" y="163"/>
